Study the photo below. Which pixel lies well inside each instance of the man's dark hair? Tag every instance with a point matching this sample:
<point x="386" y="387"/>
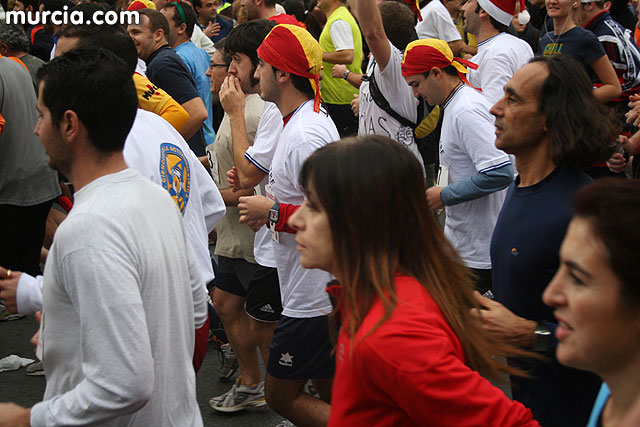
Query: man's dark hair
<point x="247" y="37"/>
<point x="269" y="3"/>
<point x="97" y="86"/>
<point x="189" y="15"/>
<point x="56" y="5"/>
<point x="219" y="46"/>
<point x="196" y="3"/>
<point x="109" y="37"/>
<point x="294" y="8"/>
<point x="33" y="3"/>
<point x="581" y="130"/>
<point x="14" y="37"/>
<point x="157" y="21"/>
<point x="398" y="22"/>
<point x="497" y="25"/>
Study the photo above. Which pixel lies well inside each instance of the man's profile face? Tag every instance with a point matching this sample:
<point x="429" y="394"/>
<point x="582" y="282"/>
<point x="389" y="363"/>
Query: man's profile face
<point x="425" y="87"/>
<point x="60" y="157"/>
<point x="143" y="37"/>
<point x="169" y="13"/>
<point x="216" y="72"/>
<point x="251" y="8"/>
<point x="242" y="68"/>
<point x="519" y="124"/>
<point x="269" y="90"/>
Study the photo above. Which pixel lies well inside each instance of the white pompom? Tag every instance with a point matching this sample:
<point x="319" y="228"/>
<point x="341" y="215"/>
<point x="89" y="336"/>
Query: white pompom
<point x="524" y="17"/>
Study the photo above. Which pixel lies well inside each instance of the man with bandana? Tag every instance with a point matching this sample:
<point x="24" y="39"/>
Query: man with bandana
<point x="476" y="171"/>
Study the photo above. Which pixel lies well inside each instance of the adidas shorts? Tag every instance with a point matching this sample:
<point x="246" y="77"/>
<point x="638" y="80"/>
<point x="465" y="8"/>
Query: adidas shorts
<point x="263" y="297"/>
<point x="234" y="275"/>
<point x="301" y="349"/>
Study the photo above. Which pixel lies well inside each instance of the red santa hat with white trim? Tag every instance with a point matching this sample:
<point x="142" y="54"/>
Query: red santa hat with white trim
<point x="503" y="10"/>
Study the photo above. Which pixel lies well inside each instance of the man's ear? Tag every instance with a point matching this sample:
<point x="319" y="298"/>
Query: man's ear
<point x="182" y="29"/>
<point x="69" y="126"/>
<point x="159" y="35"/>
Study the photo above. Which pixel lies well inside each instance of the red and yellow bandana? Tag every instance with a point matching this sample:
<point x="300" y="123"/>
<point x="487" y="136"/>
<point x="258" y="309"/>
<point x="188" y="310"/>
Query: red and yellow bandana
<point x="292" y="49"/>
<point x="422" y="55"/>
<point x="141" y="4"/>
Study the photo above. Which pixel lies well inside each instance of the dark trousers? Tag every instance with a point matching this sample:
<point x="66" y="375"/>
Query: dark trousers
<point x="346" y="122"/>
<point x="22" y="236"/>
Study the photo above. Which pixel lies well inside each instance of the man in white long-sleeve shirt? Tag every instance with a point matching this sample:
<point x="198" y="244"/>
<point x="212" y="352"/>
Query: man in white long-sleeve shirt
<point x="118" y="308"/>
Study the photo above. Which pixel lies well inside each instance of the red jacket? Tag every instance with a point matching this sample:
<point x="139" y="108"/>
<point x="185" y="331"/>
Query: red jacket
<point x="411" y="372"/>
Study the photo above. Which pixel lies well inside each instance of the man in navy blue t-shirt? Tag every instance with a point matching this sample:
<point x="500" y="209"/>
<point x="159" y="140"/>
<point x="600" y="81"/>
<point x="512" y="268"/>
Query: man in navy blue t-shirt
<point x="552" y="144"/>
<point x="167" y="70"/>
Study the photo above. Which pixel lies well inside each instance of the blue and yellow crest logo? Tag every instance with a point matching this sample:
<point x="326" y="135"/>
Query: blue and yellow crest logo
<point x="175" y="174"/>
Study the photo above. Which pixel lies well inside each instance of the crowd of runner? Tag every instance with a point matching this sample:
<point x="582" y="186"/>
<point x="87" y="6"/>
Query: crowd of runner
<point x="397" y="205"/>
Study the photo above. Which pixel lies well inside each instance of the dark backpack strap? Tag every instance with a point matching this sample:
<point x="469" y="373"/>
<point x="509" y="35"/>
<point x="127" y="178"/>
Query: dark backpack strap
<point x="382" y="102"/>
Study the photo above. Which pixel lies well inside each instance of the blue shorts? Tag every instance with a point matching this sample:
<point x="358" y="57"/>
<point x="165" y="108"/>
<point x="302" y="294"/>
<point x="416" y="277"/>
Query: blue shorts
<point x="301" y="349"/>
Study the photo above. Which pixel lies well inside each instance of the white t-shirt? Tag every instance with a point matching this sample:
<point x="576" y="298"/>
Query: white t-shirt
<point x="375" y="121"/>
<point x="261" y="155"/>
<point x="467" y="146"/>
<point x="156" y="150"/>
<point x="303" y="290"/>
<point x="437" y="23"/>
<point x="117" y="326"/>
<point x="498" y="58"/>
<point x="341" y="35"/>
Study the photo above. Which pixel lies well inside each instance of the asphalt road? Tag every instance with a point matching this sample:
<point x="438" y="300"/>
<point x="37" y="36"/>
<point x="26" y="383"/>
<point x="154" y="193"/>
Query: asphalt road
<point x="18" y="387"/>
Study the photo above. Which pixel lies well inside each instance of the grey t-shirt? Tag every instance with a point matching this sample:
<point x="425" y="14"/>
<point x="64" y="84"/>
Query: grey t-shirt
<point x="25" y="176"/>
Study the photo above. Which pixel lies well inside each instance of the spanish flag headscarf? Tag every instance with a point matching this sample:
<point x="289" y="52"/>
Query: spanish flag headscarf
<point x="292" y="49"/>
<point x="422" y="55"/>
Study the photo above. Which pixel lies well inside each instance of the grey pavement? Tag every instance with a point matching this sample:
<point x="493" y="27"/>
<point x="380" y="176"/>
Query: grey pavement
<point x="18" y="387"/>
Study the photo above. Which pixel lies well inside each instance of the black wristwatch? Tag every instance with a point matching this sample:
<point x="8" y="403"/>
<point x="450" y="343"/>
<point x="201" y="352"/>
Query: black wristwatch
<point x="542" y="338"/>
<point x="274" y="213"/>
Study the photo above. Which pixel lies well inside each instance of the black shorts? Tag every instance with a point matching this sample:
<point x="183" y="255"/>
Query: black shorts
<point x="263" y="298"/>
<point x="234" y="275"/>
<point x="301" y="349"/>
<point x="258" y="284"/>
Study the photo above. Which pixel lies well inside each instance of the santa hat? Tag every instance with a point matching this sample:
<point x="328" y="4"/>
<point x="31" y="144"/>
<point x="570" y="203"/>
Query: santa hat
<point x="503" y="10"/>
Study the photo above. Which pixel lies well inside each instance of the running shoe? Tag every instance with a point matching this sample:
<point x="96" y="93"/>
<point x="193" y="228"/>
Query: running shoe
<point x="6" y="316"/>
<point x="239" y="398"/>
<point x="35" y="369"/>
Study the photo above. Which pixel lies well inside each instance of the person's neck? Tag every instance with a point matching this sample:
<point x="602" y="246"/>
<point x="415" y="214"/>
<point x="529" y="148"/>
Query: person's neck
<point x="534" y="166"/>
<point x="290" y="99"/>
<point x="180" y="41"/>
<point x="267" y="12"/>
<point x="332" y="9"/>
<point x="562" y="25"/>
<point x="450" y="85"/>
<point x="624" y="389"/>
<point x="202" y="20"/>
<point x="94" y="166"/>
<point x="486" y="32"/>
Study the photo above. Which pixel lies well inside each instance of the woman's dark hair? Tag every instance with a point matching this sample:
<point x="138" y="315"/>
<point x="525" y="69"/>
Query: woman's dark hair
<point x="97" y="86"/>
<point x="373" y="191"/>
<point x="612" y="206"/>
<point x="581" y="130"/>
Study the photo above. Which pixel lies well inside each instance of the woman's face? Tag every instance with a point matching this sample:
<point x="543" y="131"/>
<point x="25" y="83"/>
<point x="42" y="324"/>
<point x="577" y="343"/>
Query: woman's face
<point x="596" y="331"/>
<point x="313" y="235"/>
<point x="561" y="8"/>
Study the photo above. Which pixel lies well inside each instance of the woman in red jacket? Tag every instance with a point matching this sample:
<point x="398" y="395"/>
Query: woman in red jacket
<point x="408" y="353"/>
